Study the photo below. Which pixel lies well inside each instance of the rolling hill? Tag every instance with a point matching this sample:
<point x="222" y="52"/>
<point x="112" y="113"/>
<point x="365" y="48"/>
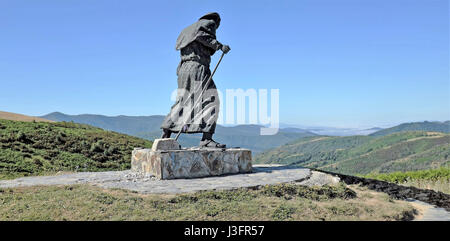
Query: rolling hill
<point x="403" y="151"/>
<point x="18" y="117"/>
<point x="33" y="148"/>
<point x="148" y="127"/>
<point x="434" y="126"/>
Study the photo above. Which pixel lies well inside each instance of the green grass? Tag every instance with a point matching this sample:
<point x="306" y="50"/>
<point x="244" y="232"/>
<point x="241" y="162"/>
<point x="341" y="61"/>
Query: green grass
<point x="38" y="148"/>
<point x="274" y="202"/>
<point x="435" y="179"/>
<point x="399" y="177"/>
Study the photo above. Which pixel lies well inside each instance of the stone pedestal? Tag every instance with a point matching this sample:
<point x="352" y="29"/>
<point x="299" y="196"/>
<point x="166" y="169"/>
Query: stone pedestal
<point x="190" y="163"/>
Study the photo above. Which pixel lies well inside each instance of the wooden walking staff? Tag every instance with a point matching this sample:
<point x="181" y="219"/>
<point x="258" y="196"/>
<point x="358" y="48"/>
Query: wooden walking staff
<point x="200" y="97"/>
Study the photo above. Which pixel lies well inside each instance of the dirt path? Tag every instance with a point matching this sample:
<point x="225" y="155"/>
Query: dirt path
<point x="429" y="212"/>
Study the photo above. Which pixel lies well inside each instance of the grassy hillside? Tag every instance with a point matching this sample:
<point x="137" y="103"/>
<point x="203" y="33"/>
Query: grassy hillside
<point x="33" y="148"/>
<point x="416" y="126"/>
<point x="310" y="149"/>
<point x="404" y="151"/>
<point x="18" y="117"/>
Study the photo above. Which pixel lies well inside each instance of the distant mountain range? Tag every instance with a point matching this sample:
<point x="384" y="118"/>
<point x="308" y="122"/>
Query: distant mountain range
<point x="148" y="127"/>
<point x="246" y="136"/>
<point x="435" y="126"/>
<point x="406" y="147"/>
<point x="333" y="131"/>
<point x="124" y="124"/>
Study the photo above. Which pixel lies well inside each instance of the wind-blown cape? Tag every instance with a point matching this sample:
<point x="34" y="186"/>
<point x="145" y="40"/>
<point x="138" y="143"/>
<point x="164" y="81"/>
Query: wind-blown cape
<point x="201" y="28"/>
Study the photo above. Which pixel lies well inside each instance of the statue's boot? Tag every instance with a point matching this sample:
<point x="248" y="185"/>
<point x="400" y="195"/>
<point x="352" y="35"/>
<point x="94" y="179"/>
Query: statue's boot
<point x="166" y="133"/>
<point x="207" y="141"/>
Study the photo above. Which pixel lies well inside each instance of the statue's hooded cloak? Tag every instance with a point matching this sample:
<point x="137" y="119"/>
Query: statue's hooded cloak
<point x="205" y="27"/>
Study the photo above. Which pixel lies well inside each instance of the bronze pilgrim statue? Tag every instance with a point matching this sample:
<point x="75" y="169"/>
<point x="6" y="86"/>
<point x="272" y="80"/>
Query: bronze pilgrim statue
<point x="197" y="43"/>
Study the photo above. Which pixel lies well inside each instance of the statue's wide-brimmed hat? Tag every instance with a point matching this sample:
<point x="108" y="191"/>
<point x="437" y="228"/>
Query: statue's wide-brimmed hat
<point x="213" y="16"/>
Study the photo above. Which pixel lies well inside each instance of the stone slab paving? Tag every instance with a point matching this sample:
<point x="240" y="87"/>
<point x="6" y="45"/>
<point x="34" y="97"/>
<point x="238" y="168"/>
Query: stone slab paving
<point x="261" y="175"/>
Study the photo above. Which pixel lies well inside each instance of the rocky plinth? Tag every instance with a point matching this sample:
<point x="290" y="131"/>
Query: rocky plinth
<point x="166" y="160"/>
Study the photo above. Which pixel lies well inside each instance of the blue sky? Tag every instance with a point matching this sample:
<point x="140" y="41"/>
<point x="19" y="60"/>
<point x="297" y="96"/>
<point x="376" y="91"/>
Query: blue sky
<point x="337" y="63"/>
